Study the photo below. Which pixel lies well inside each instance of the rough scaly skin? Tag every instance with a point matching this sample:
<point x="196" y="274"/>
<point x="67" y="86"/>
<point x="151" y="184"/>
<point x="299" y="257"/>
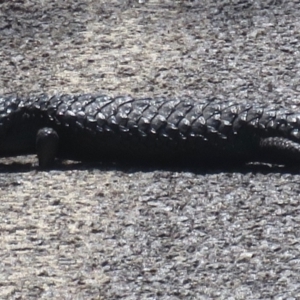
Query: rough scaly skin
<point x="158" y="130"/>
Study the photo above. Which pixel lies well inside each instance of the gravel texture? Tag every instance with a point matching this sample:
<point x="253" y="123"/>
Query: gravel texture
<point x="106" y="231"/>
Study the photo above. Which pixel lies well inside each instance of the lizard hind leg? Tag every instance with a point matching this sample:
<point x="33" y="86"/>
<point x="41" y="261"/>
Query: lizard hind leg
<point x="47" y="146"/>
<point x="280" y="150"/>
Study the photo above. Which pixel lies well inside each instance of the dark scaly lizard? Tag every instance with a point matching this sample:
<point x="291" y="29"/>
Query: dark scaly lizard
<point x="158" y="130"/>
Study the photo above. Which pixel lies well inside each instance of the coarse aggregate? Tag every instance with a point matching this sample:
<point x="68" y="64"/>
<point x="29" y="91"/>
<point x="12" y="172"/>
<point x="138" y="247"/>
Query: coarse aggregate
<point x="109" y="231"/>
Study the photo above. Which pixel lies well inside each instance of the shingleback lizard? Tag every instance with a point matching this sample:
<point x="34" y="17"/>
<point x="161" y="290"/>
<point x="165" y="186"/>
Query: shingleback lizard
<point x="99" y="127"/>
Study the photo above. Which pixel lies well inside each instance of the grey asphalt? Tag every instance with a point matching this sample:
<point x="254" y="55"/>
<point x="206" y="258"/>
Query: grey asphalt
<point x="105" y="231"/>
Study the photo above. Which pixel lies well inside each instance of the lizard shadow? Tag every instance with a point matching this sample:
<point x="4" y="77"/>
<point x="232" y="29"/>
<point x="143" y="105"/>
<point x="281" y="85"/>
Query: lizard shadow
<point x="21" y="167"/>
